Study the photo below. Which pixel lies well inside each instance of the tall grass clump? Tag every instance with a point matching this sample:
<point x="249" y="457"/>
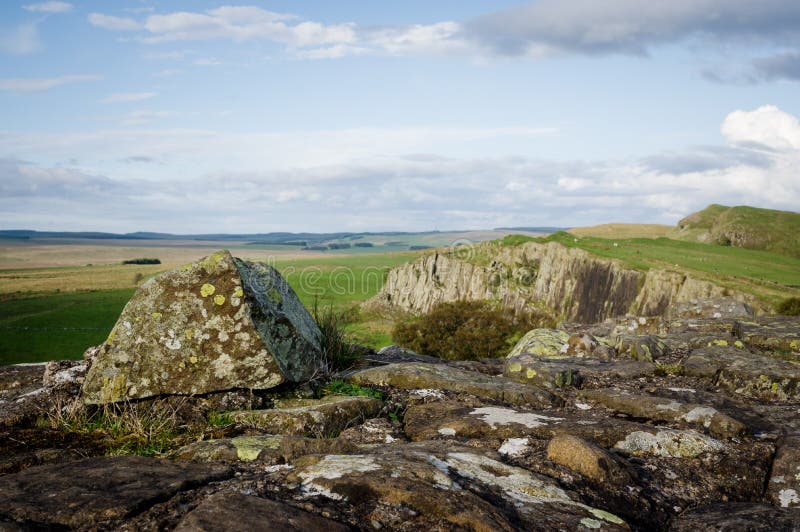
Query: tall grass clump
<point x="789" y="307"/>
<point x="337" y="352"/>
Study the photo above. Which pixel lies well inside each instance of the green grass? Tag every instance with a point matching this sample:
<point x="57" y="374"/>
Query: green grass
<point x="56" y="323"/>
<point x="769" y="276"/>
<point x="340" y="387"/>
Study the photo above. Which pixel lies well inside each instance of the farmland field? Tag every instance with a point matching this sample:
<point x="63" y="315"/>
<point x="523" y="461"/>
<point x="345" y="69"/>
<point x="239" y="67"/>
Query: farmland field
<point x="56" y="313"/>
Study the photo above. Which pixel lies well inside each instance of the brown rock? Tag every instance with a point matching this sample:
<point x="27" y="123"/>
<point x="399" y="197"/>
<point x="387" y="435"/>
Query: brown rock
<point x="588" y="459"/>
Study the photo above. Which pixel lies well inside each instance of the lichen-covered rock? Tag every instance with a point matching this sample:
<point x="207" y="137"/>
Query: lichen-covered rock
<point x="545" y="343"/>
<point x="319" y="417"/>
<point x="411" y="376"/>
<point x="217" y="324"/>
<point x="784" y="482"/>
<point x="714" y="308"/>
<point x="647" y="347"/>
<point x="772" y="333"/>
<point x="571" y="372"/>
<point x="746" y="373"/>
<point x="425" y="487"/>
<point x="240" y="448"/>
<point x="664" y="409"/>
<point x="669" y="443"/>
<point x="589" y="460"/>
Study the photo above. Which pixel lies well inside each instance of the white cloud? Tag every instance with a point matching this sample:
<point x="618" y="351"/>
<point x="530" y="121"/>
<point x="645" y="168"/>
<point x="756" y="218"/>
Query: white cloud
<point x="42" y="84"/>
<point x="113" y="23"/>
<point x="49" y="7"/>
<point x="767" y="125"/>
<point x="311" y="180"/>
<point x="21" y="40"/>
<point x="123" y="97"/>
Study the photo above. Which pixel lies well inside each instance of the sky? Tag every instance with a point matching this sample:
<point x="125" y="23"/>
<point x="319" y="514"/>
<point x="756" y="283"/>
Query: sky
<point x="260" y="116"/>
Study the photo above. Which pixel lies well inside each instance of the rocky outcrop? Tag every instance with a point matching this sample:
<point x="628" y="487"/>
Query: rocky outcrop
<point x="568" y="281"/>
<point x="218" y="324"/>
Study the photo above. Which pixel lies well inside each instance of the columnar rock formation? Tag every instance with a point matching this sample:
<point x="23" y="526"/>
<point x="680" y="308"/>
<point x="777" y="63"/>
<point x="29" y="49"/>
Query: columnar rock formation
<point x="575" y="284"/>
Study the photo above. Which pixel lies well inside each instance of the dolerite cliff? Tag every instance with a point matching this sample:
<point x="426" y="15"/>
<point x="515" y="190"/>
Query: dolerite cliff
<point x="576" y="285"/>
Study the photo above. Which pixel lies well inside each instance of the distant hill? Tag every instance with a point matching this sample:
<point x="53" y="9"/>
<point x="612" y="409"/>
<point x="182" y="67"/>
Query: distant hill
<point x="744" y="227"/>
<point x="620" y="230"/>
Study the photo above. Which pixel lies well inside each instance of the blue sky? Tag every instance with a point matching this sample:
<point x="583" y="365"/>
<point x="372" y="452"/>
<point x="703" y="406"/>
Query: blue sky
<point x="319" y="116"/>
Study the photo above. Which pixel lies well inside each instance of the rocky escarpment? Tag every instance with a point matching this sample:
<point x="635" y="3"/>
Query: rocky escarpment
<point x="575" y="284"/>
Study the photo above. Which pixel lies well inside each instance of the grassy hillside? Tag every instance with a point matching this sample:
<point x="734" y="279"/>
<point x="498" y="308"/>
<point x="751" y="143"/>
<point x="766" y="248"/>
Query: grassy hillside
<point x="744" y="227"/>
<point x="770" y="277"/>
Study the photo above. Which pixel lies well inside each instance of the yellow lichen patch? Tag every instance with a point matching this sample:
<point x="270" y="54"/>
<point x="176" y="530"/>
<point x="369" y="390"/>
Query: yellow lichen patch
<point x="189" y="334"/>
<point x="721" y="343"/>
<point x="739" y="344"/>
<point x="193" y="359"/>
<point x="210" y="263"/>
<point x="516" y="367"/>
<point x="156" y="315"/>
<point x="219" y="299"/>
<point x="530" y="373"/>
<point x="238" y="292"/>
<point x="207" y="289"/>
<point x="795" y="345"/>
<point x="111" y="336"/>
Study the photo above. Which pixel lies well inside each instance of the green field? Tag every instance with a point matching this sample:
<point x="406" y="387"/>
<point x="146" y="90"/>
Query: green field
<point x="768" y="276"/>
<point x="63" y="325"/>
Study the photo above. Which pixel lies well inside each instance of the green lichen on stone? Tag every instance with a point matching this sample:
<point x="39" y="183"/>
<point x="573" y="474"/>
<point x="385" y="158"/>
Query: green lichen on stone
<point x="515" y="367"/>
<point x="607" y="516"/>
<point x="545" y="343"/>
<point x="275" y="296"/>
<point x="739" y="344"/>
<point x="248" y="448"/>
<point x="211" y="263"/>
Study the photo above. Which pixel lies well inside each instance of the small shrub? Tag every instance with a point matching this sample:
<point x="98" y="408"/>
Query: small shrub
<point x="142" y="261"/>
<point x="337" y="352"/>
<point x="789" y="307"/>
<point x="467" y="330"/>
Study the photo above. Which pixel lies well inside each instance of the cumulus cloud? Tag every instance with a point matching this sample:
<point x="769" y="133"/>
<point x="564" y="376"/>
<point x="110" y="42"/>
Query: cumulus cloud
<point x="381" y="179"/>
<point x="125" y="97"/>
<point x="21" y="85"/>
<point x="49" y="7"/>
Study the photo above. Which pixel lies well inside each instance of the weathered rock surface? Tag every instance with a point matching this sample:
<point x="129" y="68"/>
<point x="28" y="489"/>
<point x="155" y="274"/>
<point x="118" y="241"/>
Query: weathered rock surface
<point x="564" y="372"/>
<point x="714" y="308"/>
<point x="732" y="517"/>
<point x="664" y="409"/>
<point x="320" y="417"/>
<point x="85" y="492"/>
<point x="784" y="482"/>
<point x="427" y="487"/>
<point x="544" y="343"/>
<point x="589" y="460"/>
<point x="746" y="373"/>
<point x="217" y="324"/>
<point x="436" y="376"/>
<point x="781" y="333"/>
<point x="234" y="511"/>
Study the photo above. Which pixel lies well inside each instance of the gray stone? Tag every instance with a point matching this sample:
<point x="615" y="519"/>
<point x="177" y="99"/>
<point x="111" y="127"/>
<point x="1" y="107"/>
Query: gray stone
<point x="784" y="483"/>
<point x="217" y="324"/>
<point x="222" y="512"/>
<point x="85" y="493"/>
<point x="713" y="308"/>
<point x="744" y="516"/>
<point x="412" y="376"/>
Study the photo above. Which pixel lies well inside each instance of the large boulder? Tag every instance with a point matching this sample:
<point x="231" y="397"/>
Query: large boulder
<point x="217" y="324"/>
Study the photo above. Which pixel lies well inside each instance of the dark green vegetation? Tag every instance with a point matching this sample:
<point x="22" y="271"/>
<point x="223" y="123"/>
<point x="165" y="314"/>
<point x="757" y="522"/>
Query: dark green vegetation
<point x="340" y="387"/>
<point x="467" y="330"/>
<point x="141" y="261"/>
<point x="768" y="276"/>
<point x="745" y="227"/>
<point x="789" y="307"/>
